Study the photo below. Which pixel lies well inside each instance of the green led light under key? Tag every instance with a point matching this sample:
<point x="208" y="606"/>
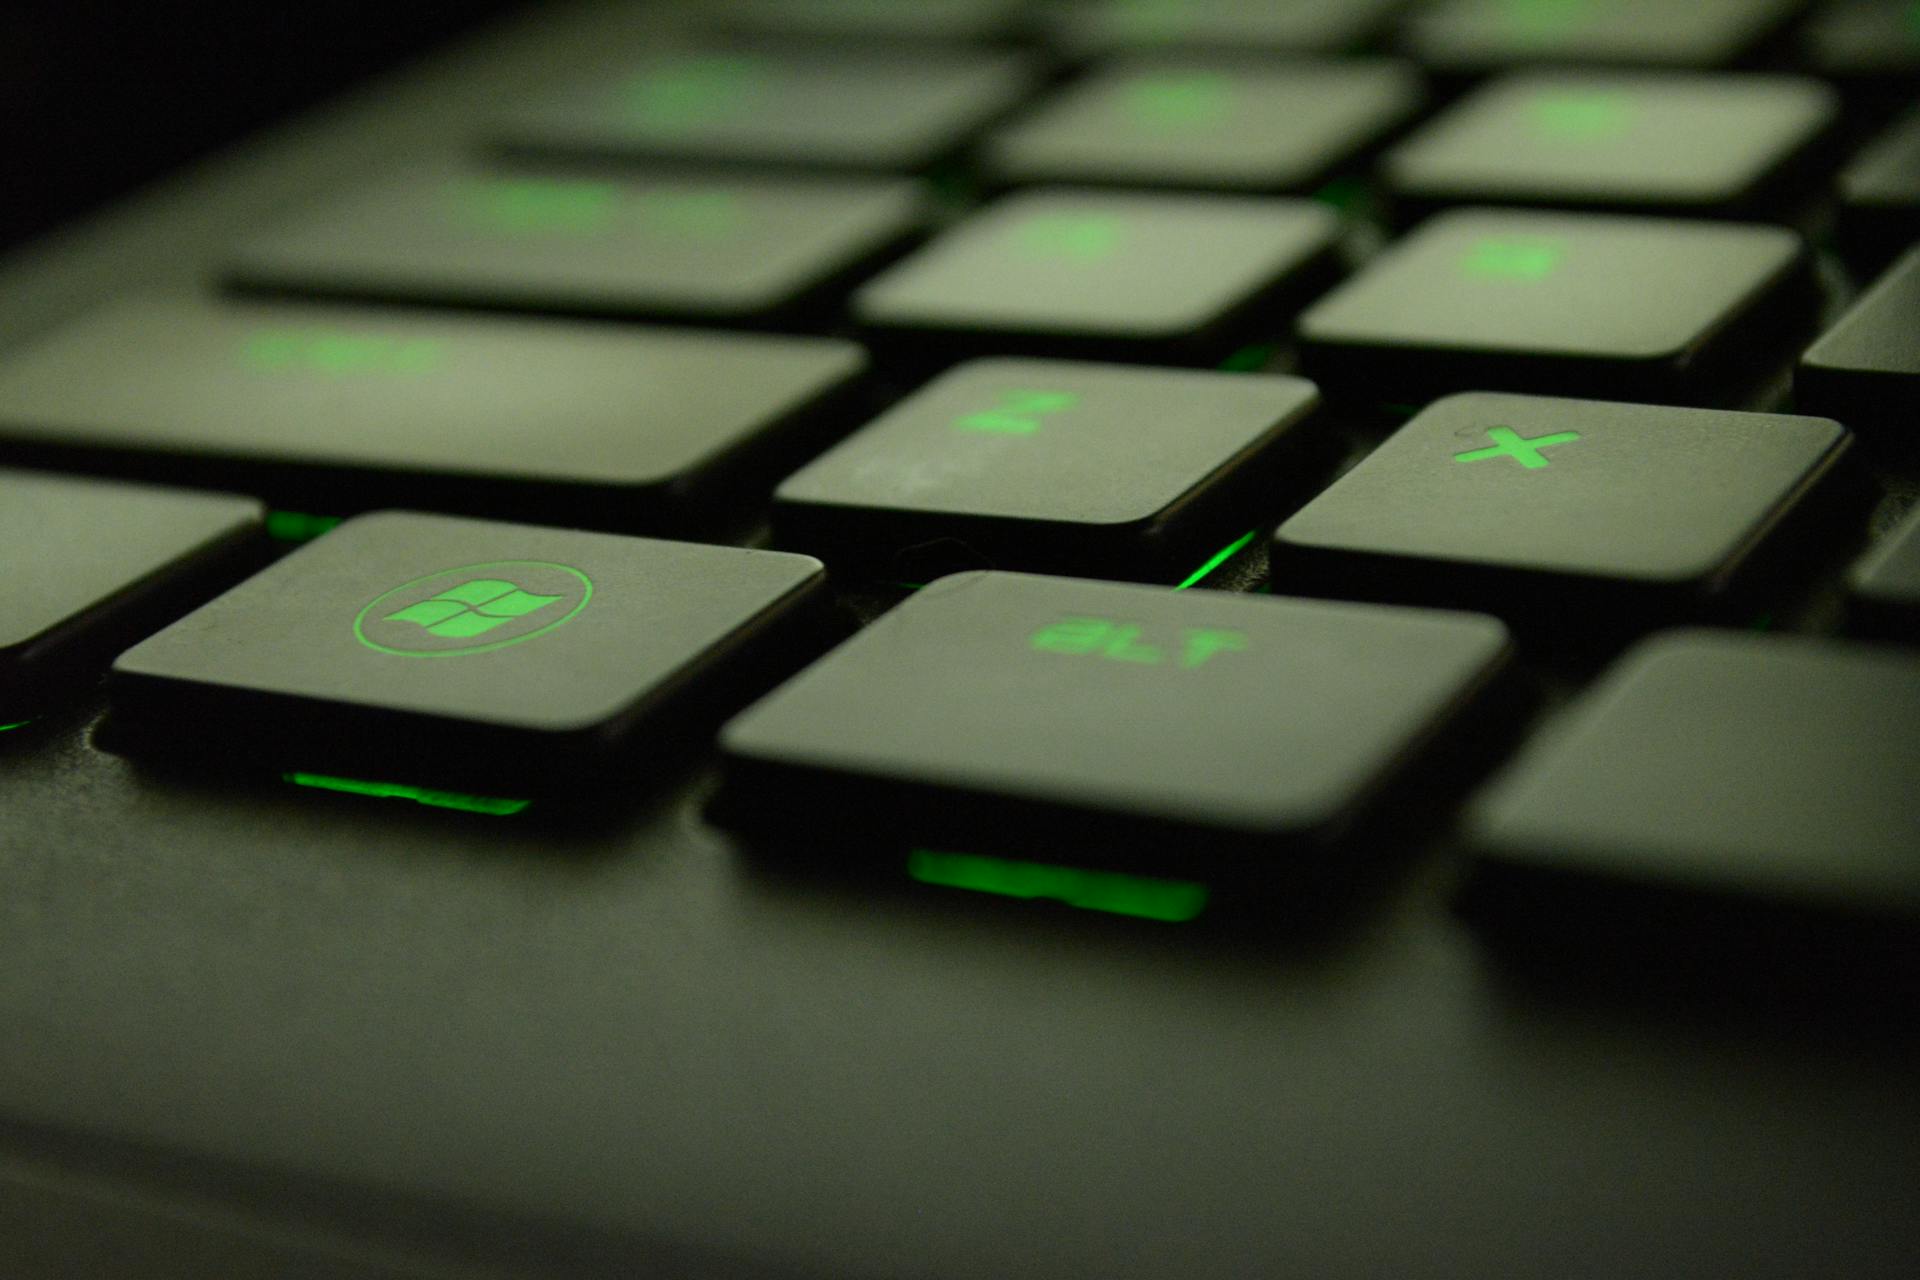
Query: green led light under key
<point x="1172" y="901"/>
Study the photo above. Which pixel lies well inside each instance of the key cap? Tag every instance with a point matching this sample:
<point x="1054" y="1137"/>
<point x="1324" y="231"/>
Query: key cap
<point x="867" y="109"/>
<point x="1207" y="124"/>
<point x="441" y="650"/>
<point x="1576" y="515"/>
<point x="1077" y="721"/>
<point x="871" y="20"/>
<point x="1719" y="144"/>
<point x="1870" y="41"/>
<point x="1866" y="369"/>
<point x="1074" y="273"/>
<point x="339" y="409"/>
<point x="1098" y="27"/>
<point x="1883" y="588"/>
<point x="88" y="566"/>
<point x="1470" y="36"/>
<point x="1055" y="466"/>
<point x="1716" y="786"/>
<point x="1623" y="308"/>
<point x="715" y="248"/>
<point x="1880" y="196"/>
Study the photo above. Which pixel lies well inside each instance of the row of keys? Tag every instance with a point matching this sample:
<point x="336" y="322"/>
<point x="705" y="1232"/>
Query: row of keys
<point x="1204" y="734"/>
<point x="1626" y="307"/>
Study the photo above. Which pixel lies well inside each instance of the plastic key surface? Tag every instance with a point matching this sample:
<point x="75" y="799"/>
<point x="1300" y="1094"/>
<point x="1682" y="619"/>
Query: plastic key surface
<point x="1478" y="35"/>
<point x="1883" y="588"/>
<point x="674" y="244"/>
<point x="1190" y="122"/>
<point x="1052" y="465"/>
<point x="1567" y="512"/>
<point x="86" y="566"/>
<point x="1081" y="273"/>
<point x="1097" y="27"/>
<point x="868" y="109"/>
<point x="1866" y="369"/>
<point x="1589" y="304"/>
<point x="1750" y="783"/>
<point x="1650" y="141"/>
<point x="442" y="650"/>
<point x="1080" y="721"/>
<point x="338" y="409"/>
<point x="1880" y="194"/>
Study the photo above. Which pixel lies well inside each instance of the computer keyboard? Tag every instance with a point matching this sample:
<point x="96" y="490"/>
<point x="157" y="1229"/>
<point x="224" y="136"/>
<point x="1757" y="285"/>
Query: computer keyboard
<point x="1123" y="638"/>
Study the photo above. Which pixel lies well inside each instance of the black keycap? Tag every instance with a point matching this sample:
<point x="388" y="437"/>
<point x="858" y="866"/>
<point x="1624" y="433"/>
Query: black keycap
<point x="1194" y="123"/>
<point x="1628" y="308"/>
<point x="435" y="649"/>
<point x="1715" y="779"/>
<point x="339" y="409"/>
<point x="1088" y="274"/>
<point x="726" y="248"/>
<point x="869" y="20"/>
<point x="1650" y="141"/>
<point x="87" y="566"/>
<point x="1079" y="721"/>
<point x="1866" y="369"/>
<point x="1883" y="588"/>
<point x="1865" y="41"/>
<point x="1054" y="466"/>
<point x="1095" y="27"/>
<point x="1880" y="196"/>
<point x="1478" y="35"/>
<point x="858" y="109"/>
<point x="1577" y="514"/>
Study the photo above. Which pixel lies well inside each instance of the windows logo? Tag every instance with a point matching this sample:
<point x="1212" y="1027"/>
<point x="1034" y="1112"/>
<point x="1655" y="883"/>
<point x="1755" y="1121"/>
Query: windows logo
<point x="476" y="608"/>
<point x="472" y="608"/>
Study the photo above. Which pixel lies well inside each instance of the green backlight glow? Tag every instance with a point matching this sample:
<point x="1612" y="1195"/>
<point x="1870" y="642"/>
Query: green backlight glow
<point x="1075" y="237"/>
<point x="495" y="805"/>
<point x="1175" y="101"/>
<point x="1120" y="642"/>
<point x="1582" y="117"/>
<point x="1218" y="558"/>
<point x="297" y="526"/>
<point x="1543" y="18"/>
<point x="1525" y="450"/>
<point x="1250" y="357"/>
<point x="539" y="205"/>
<point x="17" y="724"/>
<point x="338" y="352"/>
<point x="692" y="92"/>
<point x="691" y="212"/>
<point x="1018" y="412"/>
<point x="1173" y="901"/>
<point x="1513" y="258"/>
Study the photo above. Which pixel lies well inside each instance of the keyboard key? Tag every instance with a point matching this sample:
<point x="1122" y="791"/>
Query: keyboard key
<point x="1573" y="514"/>
<point x="1883" y="589"/>
<point x="1724" y="144"/>
<point x="1097" y="27"/>
<point x="865" y="109"/>
<point x="1478" y="35"/>
<point x="871" y="20"/>
<point x="1716" y="779"/>
<point x="88" y="566"/>
<point x="1865" y="40"/>
<point x="1623" y="308"/>
<point x="726" y="248"/>
<point x="1193" y="123"/>
<point x="1880" y="196"/>
<point x="1103" y="275"/>
<point x="1077" y="721"/>
<point x="1054" y="466"/>
<point x="432" y="649"/>
<point x="337" y="409"/>
<point x="1866" y="369"/>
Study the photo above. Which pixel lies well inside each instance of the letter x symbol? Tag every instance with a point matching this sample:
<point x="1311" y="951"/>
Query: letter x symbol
<point x="1509" y="443"/>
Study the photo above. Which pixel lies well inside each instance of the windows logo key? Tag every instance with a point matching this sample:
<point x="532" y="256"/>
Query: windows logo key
<point x="473" y="609"/>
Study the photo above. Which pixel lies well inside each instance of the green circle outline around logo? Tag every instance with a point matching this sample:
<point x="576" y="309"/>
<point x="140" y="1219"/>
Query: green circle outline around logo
<point x="359" y="618"/>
